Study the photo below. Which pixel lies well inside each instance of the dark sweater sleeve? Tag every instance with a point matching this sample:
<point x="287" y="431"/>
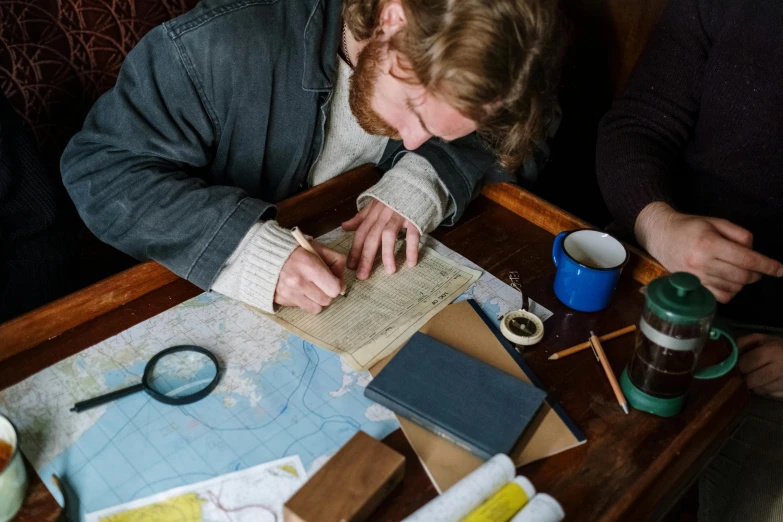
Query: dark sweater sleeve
<point x="642" y="137"/>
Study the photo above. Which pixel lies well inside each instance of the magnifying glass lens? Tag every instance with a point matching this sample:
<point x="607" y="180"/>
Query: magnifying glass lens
<point x="182" y="374"/>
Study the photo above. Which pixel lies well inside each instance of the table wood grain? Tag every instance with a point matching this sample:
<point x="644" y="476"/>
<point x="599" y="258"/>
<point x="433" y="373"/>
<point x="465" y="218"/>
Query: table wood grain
<point x="633" y="467"/>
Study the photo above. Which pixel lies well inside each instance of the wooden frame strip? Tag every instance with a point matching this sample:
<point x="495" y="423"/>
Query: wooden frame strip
<point x="51" y="320"/>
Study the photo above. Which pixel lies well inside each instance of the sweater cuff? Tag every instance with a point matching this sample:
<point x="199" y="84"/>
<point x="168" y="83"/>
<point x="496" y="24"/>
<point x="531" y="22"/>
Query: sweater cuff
<point x="250" y="274"/>
<point x="414" y="190"/>
<point x="634" y="198"/>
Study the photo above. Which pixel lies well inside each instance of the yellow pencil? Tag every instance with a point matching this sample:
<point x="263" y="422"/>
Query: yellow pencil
<point x="601" y="356"/>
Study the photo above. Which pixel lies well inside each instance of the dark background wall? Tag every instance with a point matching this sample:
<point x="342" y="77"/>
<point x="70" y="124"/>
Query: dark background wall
<point x="605" y="39"/>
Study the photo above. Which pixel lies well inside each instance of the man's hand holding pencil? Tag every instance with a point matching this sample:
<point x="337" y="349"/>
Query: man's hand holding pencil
<point x="311" y="277"/>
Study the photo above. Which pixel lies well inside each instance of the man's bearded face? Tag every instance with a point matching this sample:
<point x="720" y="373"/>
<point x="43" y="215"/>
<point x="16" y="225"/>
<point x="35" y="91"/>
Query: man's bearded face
<point x="362" y="89"/>
<point x="386" y="103"/>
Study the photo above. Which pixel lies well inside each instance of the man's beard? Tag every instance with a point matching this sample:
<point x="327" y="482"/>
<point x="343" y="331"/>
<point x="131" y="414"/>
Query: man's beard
<point x="361" y="89"/>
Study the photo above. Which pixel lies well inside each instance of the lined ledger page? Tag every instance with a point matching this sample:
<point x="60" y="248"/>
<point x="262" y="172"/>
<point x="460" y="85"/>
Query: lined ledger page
<point x="379" y="314"/>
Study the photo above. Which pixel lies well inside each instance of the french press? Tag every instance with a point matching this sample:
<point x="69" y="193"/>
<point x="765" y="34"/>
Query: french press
<point x="675" y="324"/>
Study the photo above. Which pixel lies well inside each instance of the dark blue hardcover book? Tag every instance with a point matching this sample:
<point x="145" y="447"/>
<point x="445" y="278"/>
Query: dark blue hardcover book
<point x="456" y="396"/>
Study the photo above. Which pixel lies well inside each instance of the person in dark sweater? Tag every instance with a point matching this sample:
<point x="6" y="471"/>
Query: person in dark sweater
<point x="698" y="132"/>
<point x="38" y="246"/>
<point x="690" y="160"/>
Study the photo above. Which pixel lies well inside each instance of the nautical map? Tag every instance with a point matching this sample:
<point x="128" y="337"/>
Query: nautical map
<point x="278" y="396"/>
<point x="256" y="494"/>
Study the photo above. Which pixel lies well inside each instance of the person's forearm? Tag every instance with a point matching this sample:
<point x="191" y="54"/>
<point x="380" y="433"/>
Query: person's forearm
<point x="649" y="228"/>
<point x="132" y="170"/>
<point x="250" y="275"/>
<point x="462" y="166"/>
<point x="642" y="138"/>
<point x="412" y="188"/>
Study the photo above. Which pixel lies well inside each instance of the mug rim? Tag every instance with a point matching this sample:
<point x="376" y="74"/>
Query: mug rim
<point x="602" y="269"/>
<point x="16" y="445"/>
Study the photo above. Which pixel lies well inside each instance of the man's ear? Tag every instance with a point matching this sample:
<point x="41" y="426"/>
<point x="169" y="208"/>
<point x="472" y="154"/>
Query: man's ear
<point x="392" y="19"/>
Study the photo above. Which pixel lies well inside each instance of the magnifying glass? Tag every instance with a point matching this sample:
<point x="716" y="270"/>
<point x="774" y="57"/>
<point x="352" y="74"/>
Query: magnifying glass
<point x="178" y="375"/>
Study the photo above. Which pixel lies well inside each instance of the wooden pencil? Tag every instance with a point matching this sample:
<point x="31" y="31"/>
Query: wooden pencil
<point x="584" y="346"/>
<point x="601" y="355"/>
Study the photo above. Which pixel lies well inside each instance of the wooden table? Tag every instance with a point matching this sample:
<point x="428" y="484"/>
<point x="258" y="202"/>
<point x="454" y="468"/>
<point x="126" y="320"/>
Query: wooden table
<point x="633" y="467"/>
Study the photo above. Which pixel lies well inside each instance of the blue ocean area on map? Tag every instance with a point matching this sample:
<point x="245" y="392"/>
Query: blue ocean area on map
<point x="139" y="446"/>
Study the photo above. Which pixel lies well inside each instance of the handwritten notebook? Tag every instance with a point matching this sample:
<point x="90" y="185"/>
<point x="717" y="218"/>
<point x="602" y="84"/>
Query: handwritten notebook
<point x="380" y="313"/>
<point x="456" y="396"/>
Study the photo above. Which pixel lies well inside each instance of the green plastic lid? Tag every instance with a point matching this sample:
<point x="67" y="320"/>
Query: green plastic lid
<point x="680" y="298"/>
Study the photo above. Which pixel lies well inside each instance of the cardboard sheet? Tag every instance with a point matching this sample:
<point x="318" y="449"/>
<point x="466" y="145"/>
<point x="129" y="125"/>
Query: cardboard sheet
<point x="464" y="327"/>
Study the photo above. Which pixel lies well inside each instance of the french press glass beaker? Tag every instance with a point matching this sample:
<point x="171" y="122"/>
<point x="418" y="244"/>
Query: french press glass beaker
<point x="675" y="324"/>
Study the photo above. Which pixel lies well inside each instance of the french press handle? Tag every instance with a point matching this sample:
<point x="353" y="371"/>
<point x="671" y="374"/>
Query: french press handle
<point x="722" y="368"/>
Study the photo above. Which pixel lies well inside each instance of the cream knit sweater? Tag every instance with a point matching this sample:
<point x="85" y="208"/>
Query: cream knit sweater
<point x="411" y="187"/>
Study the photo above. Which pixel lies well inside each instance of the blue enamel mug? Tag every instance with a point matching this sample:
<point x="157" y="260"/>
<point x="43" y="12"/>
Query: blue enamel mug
<point x="589" y="264"/>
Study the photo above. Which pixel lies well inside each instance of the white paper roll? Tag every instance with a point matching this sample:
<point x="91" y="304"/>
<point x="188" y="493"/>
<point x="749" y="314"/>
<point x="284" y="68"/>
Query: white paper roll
<point x="465" y="495"/>
<point x="542" y="508"/>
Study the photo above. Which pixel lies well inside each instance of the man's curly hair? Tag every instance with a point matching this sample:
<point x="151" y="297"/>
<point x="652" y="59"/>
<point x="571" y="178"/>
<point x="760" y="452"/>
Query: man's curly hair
<point x="495" y="61"/>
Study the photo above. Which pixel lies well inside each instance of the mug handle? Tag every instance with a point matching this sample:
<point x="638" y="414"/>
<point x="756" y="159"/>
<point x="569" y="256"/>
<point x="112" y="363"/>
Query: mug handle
<point x="557" y="247"/>
<point x="722" y="368"/>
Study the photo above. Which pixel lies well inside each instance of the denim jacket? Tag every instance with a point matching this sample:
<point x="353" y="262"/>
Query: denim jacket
<point x="215" y="116"/>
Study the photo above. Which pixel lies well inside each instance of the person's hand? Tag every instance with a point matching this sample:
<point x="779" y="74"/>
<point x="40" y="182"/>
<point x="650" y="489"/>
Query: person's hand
<point x="305" y="281"/>
<point x="376" y="225"/>
<point x="717" y="251"/>
<point x="761" y="363"/>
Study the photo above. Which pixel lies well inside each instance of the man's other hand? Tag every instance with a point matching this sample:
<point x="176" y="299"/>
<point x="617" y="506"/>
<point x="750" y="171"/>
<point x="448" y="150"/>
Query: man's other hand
<point x="761" y="363"/>
<point x="377" y="226"/>
<point x="305" y="281"/>
<point x="717" y="251"/>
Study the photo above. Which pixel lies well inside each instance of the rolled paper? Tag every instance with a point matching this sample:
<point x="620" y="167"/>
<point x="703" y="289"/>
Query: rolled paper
<point x="542" y="508"/>
<point x="464" y="496"/>
<point x="504" y="503"/>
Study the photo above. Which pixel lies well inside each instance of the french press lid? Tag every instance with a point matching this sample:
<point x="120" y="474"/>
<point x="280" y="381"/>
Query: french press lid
<point x="680" y="298"/>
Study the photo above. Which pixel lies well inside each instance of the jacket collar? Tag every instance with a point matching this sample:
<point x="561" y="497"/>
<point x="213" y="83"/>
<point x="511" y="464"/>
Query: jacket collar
<point x="322" y="36"/>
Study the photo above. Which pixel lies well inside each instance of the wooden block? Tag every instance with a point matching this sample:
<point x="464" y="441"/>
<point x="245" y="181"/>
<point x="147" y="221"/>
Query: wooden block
<point x="350" y="486"/>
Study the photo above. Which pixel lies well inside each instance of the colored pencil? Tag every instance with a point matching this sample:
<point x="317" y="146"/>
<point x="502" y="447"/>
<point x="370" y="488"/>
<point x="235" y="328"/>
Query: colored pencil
<point x="601" y="356"/>
<point x="584" y="346"/>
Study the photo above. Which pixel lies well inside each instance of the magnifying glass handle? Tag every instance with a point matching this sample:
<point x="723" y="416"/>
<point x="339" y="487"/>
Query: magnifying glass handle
<point x="103" y="399"/>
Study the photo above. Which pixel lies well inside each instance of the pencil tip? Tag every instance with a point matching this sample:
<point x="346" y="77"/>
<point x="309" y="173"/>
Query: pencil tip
<point x="625" y="408"/>
<point x="553" y="357"/>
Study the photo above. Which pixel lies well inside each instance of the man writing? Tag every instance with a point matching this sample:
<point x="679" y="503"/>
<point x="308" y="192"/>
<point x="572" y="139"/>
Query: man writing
<point x="239" y="104"/>
<point x="689" y="159"/>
